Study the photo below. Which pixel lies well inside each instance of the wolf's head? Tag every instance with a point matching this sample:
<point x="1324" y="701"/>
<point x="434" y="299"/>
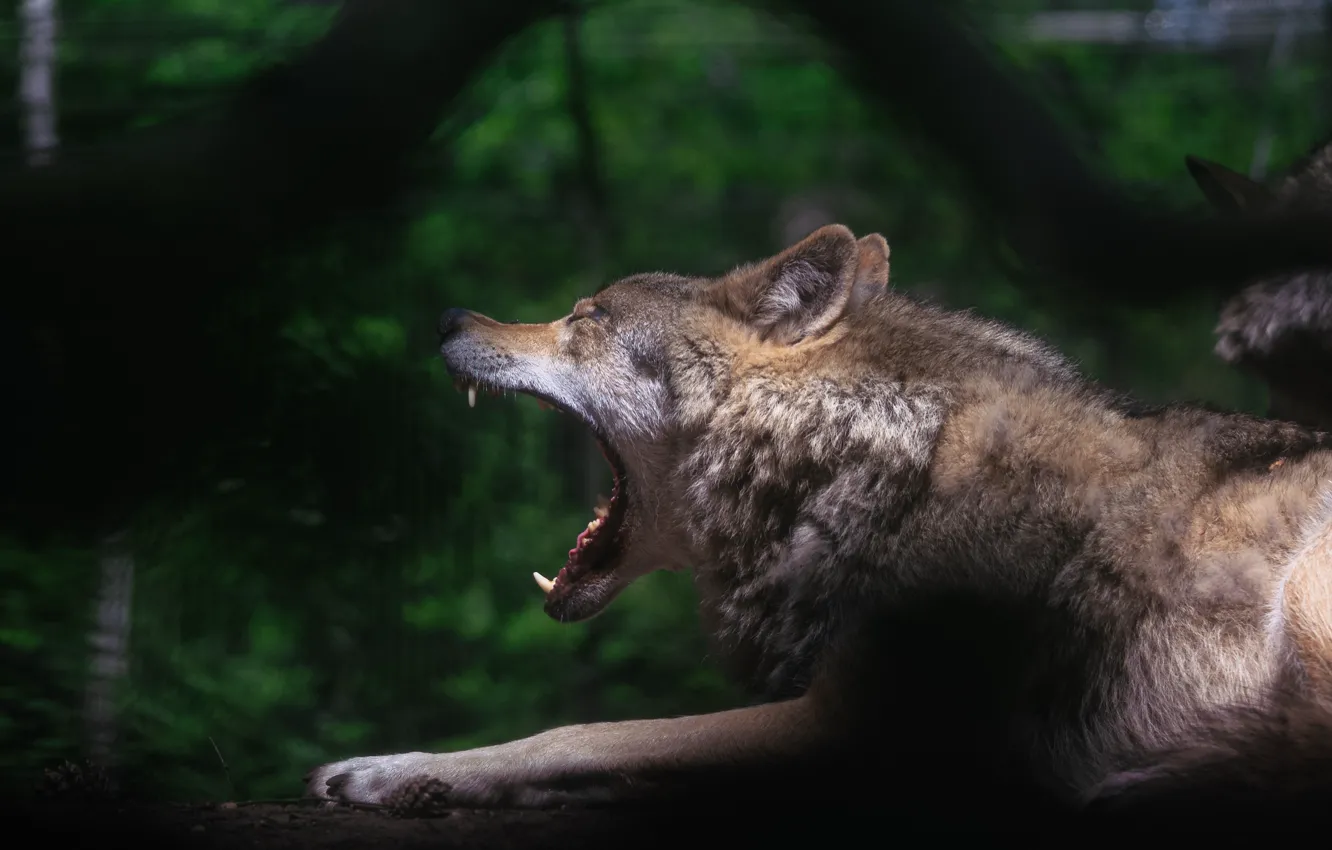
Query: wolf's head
<point x="642" y="363"/>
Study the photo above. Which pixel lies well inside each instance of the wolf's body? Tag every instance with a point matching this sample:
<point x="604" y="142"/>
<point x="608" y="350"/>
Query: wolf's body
<point x="831" y="459"/>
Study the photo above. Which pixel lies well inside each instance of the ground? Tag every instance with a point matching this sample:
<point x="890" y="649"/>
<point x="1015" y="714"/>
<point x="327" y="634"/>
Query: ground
<point x="298" y="826"/>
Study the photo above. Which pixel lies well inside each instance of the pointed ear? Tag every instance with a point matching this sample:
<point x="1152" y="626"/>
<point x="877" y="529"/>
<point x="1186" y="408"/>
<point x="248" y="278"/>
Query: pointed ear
<point x="797" y="294"/>
<point x="871" y="271"/>
<point x="1227" y="190"/>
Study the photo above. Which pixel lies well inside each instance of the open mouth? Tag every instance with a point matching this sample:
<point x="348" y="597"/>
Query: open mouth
<point x="587" y="580"/>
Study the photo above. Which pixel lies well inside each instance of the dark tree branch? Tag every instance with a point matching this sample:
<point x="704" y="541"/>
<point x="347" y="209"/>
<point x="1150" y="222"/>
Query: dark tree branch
<point x="296" y="147"/>
<point x="133" y="248"/>
<point x="923" y="61"/>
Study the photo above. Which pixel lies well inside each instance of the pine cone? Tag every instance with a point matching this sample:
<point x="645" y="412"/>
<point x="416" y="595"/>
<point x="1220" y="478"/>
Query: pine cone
<point x="87" y="780"/>
<point x="422" y="797"/>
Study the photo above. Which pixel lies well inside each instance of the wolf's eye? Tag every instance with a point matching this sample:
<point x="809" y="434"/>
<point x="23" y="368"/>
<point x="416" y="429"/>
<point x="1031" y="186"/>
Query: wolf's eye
<point x="593" y="312"/>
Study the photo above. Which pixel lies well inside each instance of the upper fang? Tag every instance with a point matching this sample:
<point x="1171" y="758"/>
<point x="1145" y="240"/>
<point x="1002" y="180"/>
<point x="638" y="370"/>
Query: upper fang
<point x="471" y="395"/>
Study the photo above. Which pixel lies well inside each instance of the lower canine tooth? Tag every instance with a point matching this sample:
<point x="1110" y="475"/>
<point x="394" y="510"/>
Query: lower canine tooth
<point x="471" y="396"/>
<point x="544" y="583"/>
<point x="602" y="510"/>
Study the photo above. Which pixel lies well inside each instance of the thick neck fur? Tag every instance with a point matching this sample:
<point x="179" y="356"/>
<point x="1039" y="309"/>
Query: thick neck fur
<point x="810" y="464"/>
<point x="942" y="450"/>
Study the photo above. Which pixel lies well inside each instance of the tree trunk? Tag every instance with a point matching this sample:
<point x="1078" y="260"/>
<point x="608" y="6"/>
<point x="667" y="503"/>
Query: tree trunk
<point x="37" y="79"/>
<point x="109" y="640"/>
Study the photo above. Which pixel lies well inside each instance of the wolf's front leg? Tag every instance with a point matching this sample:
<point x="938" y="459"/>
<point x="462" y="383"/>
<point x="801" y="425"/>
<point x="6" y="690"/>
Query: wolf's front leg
<point x="598" y="762"/>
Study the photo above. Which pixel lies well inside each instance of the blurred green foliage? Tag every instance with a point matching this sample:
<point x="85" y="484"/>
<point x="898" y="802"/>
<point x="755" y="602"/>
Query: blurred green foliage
<point x="356" y="578"/>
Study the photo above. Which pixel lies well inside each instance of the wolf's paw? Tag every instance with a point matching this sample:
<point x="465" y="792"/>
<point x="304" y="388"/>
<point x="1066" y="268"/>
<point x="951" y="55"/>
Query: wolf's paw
<point x="376" y="780"/>
<point x="429" y="782"/>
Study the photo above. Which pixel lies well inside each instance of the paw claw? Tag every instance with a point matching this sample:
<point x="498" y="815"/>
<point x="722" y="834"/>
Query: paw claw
<point x="335" y="784"/>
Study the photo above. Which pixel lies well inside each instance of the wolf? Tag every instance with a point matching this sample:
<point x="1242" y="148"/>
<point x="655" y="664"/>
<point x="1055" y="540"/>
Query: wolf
<point x="1279" y="329"/>
<point x="939" y="554"/>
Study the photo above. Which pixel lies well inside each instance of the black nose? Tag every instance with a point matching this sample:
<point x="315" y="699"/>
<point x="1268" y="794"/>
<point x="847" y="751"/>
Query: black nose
<point x="453" y="320"/>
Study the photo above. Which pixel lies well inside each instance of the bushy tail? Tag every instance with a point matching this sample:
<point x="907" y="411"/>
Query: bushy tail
<point x="1269" y="767"/>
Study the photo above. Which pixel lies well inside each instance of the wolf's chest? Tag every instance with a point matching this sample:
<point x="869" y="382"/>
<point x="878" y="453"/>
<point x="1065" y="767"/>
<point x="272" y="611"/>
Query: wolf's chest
<point x="770" y="640"/>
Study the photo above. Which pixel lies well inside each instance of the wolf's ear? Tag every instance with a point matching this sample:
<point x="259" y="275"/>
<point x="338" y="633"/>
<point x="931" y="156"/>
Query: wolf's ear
<point x="1227" y="190"/>
<point x="797" y="294"/>
<point x="871" y="270"/>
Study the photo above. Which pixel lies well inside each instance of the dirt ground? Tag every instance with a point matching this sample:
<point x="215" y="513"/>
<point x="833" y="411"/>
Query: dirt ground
<point x="308" y="827"/>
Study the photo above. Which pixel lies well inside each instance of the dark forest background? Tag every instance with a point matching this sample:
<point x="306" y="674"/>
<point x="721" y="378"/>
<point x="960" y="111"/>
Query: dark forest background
<point x="340" y="562"/>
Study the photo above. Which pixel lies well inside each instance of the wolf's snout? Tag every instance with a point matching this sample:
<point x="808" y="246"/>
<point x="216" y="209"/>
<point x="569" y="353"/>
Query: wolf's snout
<point x="454" y="320"/>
